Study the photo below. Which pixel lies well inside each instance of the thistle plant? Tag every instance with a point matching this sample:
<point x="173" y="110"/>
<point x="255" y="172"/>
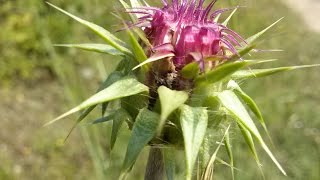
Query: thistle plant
<point x="177" y="86"/>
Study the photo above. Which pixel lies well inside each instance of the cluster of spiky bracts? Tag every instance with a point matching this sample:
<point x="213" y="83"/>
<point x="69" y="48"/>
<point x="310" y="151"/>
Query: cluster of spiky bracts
<point x="187" y="30"/>
<point x="181" y="33"/>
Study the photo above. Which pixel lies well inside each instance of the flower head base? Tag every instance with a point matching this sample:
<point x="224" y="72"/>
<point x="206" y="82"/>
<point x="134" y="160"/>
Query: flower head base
<point x="189" y="31"/>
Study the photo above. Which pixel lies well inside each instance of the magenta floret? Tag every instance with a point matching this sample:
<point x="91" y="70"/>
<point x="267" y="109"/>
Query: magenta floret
<point x="187" y="29"/>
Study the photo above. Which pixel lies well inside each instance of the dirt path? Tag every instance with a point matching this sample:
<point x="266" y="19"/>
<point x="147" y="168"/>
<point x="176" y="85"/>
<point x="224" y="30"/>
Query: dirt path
<point x="26" y="148"/>
<point x="310" y="11"/>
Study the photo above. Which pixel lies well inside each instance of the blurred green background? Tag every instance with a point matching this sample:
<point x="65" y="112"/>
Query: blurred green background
<point x="39" y="81"/>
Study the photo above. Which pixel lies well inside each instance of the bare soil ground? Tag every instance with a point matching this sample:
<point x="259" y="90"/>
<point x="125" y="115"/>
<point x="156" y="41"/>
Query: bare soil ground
<point x="27" y="149"/>
<point x="309" y="10"/>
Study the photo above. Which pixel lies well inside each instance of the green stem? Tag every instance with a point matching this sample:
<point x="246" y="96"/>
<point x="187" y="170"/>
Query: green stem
<point x="155" y="166"/>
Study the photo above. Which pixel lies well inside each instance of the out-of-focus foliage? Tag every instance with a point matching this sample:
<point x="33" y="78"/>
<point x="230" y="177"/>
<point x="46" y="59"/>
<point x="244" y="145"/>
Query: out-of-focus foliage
<point x="29" y="29"/>
<point x="20" y="48"/>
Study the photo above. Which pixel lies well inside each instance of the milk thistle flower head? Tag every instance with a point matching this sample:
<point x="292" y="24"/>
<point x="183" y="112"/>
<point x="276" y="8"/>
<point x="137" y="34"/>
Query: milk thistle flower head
<point x="177" y="86"/>
<point x="188" y="32"/>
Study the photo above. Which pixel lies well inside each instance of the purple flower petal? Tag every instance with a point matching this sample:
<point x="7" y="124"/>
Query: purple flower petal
<point x="186" y="29"/>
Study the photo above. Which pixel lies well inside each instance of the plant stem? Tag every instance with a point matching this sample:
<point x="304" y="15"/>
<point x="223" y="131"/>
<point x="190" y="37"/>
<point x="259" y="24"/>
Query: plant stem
<point x="155" y="166"/>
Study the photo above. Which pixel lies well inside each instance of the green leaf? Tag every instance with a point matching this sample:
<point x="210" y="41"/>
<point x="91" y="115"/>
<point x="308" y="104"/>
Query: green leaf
<point x="219" y="160"/>
<point x="154" y="57"/>
<point x="170" y="100"/>
<point x="138" y="51"/>
<point x="122" y="64"/>
<point x="136" y="3"/>
<point x="104" y="107"/>
<point x="134" y="16"/>
<point x="242" y="52"/>
<point x="100" y="48"/>
<point x="253" y="38"/>
<point x="142" y="36"/>
<point x="143" y="131"/>
<point x="113" y="77"/>
<point x="259" y="61"/>
<point x="225" y="23"/>
<point x="169" y="162"/>
<point x="134" y="19"/>
<point x="190" y="71"/>
<point x="126" y="6"/>
<point x="127" y="86"/>
<point x="209" y="169"/>
<point x="128" y="64"/>
<point x="250" y="103"/>
<point x="133" y="104"/>
<point x="257" y="73"/>
<point x="119" y="117"/>
<point x="194" y="121"/>
<point x="103" y="33"/>
<point x="229" y="152"/>
<point x="236" y="109"/>
<point x="205" y="151"/>
<point x="104" y="119"/>
<point x="221" y="72"/>
<point x="248" y="138"/>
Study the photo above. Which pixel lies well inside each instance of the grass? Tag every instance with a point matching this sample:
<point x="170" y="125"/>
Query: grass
<point x="289" y="101"/>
